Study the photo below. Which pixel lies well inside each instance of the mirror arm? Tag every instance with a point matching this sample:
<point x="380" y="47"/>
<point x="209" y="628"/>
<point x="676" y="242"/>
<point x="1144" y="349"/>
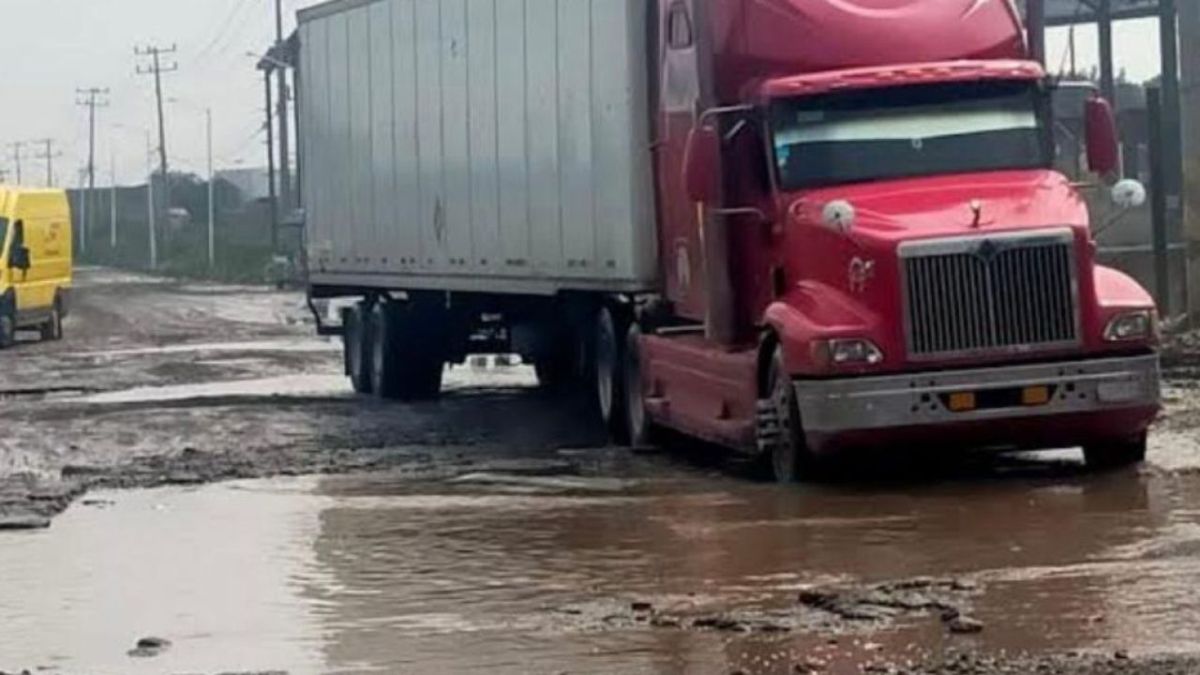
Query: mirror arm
<point x="1112" y="220"/>
<point x="726" y="110"/>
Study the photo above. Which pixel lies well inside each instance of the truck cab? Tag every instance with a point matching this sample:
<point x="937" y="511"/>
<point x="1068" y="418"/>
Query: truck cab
<point x="909" y="269"/>
<point x="35" y="262"/>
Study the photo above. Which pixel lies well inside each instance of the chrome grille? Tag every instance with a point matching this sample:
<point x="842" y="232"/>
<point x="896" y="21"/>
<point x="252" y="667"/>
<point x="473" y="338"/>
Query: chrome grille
<point x="990" y="294"/>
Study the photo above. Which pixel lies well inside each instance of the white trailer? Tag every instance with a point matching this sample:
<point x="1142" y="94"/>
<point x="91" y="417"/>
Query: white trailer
<point x="496" y="146"/>
<point x="480" y="174"/>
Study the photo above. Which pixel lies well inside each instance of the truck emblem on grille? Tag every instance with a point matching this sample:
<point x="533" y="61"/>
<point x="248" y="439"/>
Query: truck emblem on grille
<point x="988" y="250"/>
<point x="861" y="273"/>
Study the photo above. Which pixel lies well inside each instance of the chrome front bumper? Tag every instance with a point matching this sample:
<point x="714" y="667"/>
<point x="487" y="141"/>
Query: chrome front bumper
<point x="834" y="406"/>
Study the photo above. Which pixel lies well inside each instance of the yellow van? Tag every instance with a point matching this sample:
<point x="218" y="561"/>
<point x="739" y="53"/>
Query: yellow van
<point x="36" y="249"/>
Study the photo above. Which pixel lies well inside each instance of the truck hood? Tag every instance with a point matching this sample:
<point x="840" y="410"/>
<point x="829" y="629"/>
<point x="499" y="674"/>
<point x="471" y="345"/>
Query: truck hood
<point x="942" y="206"/>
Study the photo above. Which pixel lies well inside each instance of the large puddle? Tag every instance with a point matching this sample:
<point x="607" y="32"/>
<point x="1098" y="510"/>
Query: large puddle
<point x="500" y="573"/>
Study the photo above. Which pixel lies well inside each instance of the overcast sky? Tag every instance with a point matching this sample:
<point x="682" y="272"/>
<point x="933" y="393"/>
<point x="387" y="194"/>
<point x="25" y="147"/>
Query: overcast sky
<point x="54" y="46"/>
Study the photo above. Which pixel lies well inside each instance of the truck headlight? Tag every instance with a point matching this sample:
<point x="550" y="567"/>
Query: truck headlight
<point x="1131" y="326"/>
<point x="847" y="352"/>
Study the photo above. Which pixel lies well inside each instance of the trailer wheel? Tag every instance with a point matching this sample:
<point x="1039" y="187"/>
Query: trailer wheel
<point x="642" y="432"/>
<point x="1116" y="454"/>
<point x="610" y="376"/>
<point x="406" y="359"/>
<point x="356" y="339"/>
<point x="785" y="453"/>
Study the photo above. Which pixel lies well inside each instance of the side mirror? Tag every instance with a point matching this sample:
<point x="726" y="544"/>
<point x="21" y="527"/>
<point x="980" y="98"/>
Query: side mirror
<point x="701" y="160"/>
<point x="1103" y="150"/>
<point x="19" y="259"/>
<point x="1129" y="194"/>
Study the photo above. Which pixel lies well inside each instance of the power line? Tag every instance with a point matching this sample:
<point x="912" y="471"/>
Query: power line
<point x="222" y="31"/>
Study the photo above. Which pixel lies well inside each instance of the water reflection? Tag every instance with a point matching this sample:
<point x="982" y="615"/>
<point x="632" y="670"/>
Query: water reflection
<point x="378" y="574"/>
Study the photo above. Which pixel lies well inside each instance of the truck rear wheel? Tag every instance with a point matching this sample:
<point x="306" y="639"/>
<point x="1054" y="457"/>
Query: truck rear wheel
<point x="642" y="432"/>
<point x="356" y="340"/>
<point x="1116" y="454"/>
<point x="610" y="375"/>
<point x="785" y="453"/>
<point x="406" y="359"/>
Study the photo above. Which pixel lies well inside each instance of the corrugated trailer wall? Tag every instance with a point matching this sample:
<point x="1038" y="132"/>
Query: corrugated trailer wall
<point x="491" y="145"/>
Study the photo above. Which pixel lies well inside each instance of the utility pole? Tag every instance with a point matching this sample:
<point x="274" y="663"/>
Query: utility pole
<point x="151" y="211"/>
<point x="281" y="71"/>
<point x="273" y="203"/>
<point x="212" y="252"/>
<point x="156" y="68"/>
<point x="49" y="156"/>
<point x="1189" y="44"/>
<point x="91" y="99"/>
<point x="17" y="157"/>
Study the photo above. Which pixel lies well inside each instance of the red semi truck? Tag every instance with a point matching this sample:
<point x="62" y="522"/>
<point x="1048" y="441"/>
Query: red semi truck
<point x="789" y="227"/>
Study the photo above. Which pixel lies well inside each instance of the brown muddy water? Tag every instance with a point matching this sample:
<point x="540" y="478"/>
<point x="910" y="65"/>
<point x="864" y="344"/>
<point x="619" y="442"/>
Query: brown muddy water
<point x="650" y="571"/>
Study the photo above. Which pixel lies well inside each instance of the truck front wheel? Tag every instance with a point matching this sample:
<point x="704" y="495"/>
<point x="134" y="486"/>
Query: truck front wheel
<point x="1116" y="454"/>
<point x="785" y="454"/>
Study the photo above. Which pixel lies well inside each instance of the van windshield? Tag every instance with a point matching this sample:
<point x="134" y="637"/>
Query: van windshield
<point x="923" y="130"/>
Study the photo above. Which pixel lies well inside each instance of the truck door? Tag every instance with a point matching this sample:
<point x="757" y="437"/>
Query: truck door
<point x="680" y="103"/>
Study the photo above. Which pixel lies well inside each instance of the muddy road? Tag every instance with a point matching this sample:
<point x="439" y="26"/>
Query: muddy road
<point x="190" y="466"/>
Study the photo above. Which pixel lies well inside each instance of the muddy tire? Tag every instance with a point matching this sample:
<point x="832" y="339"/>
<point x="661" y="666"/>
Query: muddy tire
<point x="52" y="330"/>
<point x="785" y="456"/>
<point x="1116" y="454"/>
<point x="406" y="363"/>
<point x="642" y="432"/>
<point x="8" y="330"/>
<point x="610" y="375"/>
<point x="356" y="344"/>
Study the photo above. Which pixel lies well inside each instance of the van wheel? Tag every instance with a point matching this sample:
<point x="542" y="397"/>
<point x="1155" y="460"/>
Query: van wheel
<point x="52" y="330"/>
<point x="8" y="331"/>
<point x="785" y="455"/>
<point x="610" y="376"/>
<point x="1116" y="454"/>
<point x="355" y="339"/>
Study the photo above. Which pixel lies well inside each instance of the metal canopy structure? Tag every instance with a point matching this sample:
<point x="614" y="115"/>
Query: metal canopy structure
<point x="1164" y="101"/>
<point x="1067" y="12"/>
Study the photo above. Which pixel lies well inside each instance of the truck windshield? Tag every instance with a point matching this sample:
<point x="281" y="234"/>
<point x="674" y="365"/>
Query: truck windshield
<point x="924" y="130"/>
